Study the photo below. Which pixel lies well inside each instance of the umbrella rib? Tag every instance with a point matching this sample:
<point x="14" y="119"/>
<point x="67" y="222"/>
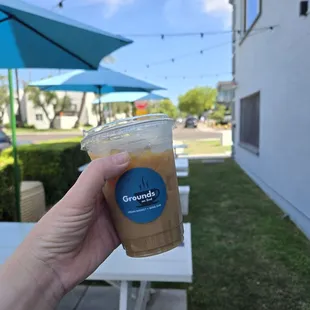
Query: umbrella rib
<point x="4" y="19"/>
<point x="11" y="16"/>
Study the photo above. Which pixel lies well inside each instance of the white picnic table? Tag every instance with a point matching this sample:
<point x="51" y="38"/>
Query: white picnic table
<point x="120" y="270"/>
<point x="181" y="164"/>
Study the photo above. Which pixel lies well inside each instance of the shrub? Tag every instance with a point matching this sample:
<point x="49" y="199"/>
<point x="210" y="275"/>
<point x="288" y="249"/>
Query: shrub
<point x="218" y="114"/>
<point x="27" y="126"/>
<point x="7" y="196"/>
<point x="54" y="163"/>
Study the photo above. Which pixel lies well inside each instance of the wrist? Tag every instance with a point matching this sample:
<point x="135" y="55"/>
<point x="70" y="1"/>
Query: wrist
<point x="27" y="283"/>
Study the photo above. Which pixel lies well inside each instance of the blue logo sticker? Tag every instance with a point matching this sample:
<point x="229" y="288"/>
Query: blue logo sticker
<point x="141" y="195"/>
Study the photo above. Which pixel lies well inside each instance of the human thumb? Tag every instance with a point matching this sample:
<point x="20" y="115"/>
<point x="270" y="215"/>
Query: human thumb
<point x="92" y="180"/>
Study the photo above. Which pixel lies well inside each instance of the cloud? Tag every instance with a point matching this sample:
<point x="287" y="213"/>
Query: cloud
<point x="218" y="8"/>
<point x="183" y="14"/>
<point x="114" y="5"/>
<point x="111" y="7"/>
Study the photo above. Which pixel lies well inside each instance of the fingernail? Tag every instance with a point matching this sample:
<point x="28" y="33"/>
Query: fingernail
<point x="121" y="158"/>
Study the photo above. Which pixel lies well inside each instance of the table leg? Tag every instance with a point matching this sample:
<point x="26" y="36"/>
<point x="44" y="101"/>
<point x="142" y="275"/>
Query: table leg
<point x="125" y="290"/>
<point x="143" y="295"/>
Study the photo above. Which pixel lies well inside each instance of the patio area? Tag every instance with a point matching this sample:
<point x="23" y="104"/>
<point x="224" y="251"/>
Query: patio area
<point x="245" y="255"/>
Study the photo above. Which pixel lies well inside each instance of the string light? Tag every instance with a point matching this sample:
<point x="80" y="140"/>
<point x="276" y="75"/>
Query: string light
<point x="186" y="77"/>
<point x="61" y="4"/>
<point x="191" y="34"/>
<point x="201" y="51"/>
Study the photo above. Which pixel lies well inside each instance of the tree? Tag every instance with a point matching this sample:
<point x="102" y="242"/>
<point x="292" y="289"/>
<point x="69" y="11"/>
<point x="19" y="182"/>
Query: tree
<point x="59" y="106"/>
<point x="96" y="111"/>
<point x="164" y="106"/>
<point x="18" y="114"/>
<point x="4" y="98"/>
<point x="41" y="100"/>
<point x="83" y="102"/>
<point x="45" y="100"/>
<point x="219" y="113"/>
<point x="197" y="100"/>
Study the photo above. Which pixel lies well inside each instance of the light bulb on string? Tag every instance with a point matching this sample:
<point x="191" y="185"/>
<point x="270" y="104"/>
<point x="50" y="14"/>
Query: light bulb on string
<point x="61" y="4"/>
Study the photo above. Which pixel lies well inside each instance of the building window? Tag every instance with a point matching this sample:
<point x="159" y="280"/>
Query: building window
<point x="252" y="11"/>
<point x="39" y="117"/>
<point x="249" y="122"/>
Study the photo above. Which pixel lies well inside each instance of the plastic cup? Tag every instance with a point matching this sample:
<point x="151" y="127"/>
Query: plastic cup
<point x="144" y="201"/>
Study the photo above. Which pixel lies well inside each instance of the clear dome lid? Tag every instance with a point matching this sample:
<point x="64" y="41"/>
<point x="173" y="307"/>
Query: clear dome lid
<point x="123" y="128"/>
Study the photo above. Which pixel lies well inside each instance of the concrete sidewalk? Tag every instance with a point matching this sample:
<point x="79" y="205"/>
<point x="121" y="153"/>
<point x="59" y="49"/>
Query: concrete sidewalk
<point x="107" y="298"/>
<point x="207" y="156"/>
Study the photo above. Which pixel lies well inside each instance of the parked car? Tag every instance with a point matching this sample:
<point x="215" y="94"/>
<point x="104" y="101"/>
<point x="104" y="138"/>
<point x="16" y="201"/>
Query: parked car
<point x="191" y="122"/>
<point x="5" y="140"/>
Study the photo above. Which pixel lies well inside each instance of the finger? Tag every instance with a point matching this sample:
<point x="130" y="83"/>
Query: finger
<point x="98" y="171"/>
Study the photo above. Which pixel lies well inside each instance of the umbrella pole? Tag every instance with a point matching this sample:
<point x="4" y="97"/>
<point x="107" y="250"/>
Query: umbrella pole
<point x="16" y="167"/>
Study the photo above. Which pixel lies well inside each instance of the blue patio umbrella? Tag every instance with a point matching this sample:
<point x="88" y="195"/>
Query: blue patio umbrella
<point x="33" y="37"/>
<point x="102" y="81"/>
<point x="129" y="97"/>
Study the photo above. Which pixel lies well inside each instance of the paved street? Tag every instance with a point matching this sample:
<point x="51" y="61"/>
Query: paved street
<point x="180" y="133"/>
<point x="39" y="137"/>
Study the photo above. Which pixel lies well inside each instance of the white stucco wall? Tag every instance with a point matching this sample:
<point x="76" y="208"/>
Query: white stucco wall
<point x="277" y="64"/>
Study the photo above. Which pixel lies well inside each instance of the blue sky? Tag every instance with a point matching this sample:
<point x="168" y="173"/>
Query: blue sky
<point x="157" y="16"/>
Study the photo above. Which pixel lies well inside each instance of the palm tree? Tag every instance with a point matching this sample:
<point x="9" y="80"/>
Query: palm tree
<point x="59" y="106"/>
<point x="83" y="102"/>
<point x="96" y="111"/>
<point x="42" y="100"/>
<point x="18" y="114"/>
<point x="4" y="97"/>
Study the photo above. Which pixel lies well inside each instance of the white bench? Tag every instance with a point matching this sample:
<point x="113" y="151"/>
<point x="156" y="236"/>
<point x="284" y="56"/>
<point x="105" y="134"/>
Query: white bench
<point x="120" y="270"/>
<point x="184" y="198"/>
<point x="182" y="164"/>
<point x="179" y="149"/>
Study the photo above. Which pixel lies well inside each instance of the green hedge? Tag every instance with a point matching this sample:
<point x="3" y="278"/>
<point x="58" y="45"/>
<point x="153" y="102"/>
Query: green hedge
<point x="55" y="164"/>
<point x="7" y="197"/>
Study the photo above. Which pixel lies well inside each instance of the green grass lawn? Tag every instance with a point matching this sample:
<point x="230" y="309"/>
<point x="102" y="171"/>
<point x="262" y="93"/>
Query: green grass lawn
<point x="205" y="147"/>
<point x="245" y="256"/>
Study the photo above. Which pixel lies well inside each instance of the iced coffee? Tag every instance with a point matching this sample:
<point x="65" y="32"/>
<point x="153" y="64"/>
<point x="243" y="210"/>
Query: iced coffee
<point x="144" y="201"/>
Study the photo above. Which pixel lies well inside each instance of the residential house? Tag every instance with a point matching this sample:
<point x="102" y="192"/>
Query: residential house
<point x="66" y="120"/>
<point x="271" y="68"/>
<point x="225" y="93"/>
